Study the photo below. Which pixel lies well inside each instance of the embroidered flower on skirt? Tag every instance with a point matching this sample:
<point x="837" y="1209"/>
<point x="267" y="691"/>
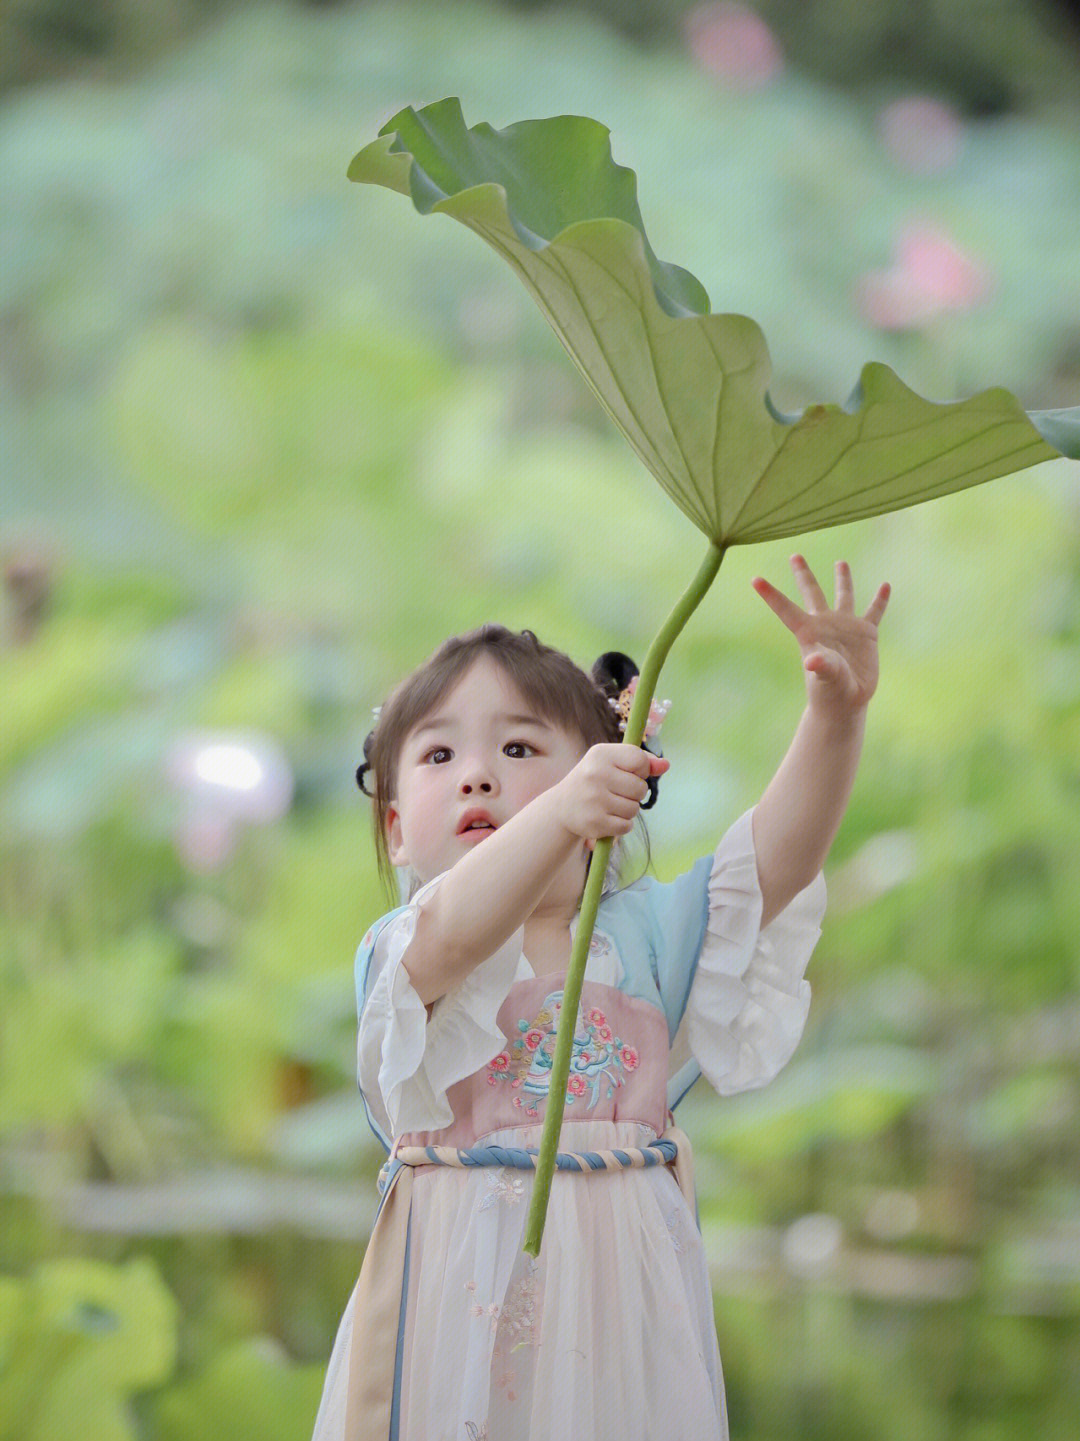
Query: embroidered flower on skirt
<point x="519" y="1316"/>
<point x="504" y="1186"/>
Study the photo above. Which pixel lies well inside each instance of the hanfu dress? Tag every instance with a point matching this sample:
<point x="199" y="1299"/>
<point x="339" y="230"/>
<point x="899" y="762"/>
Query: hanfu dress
<point x="453" y="1332"/>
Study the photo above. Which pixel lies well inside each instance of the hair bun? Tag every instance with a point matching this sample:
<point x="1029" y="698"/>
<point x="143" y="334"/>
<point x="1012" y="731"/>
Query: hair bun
<point x="613" y="672"/>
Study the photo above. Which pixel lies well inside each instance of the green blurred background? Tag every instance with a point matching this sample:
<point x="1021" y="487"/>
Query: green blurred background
<point x="267" y="437"/>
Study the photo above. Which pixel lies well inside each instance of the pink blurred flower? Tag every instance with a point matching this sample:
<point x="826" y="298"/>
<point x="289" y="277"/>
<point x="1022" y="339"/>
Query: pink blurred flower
<point x="922" y="134"/>
<point x="734" y="44"/>
<point x="204" y="840"/>
<point x="930" y="276"/>
<point x="226" y="779"/>
<point x="243" y="775"/>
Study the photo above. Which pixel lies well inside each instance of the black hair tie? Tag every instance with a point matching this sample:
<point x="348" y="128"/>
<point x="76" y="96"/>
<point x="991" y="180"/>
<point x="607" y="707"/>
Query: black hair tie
<point x="613" y="672"/>
<point x="361" y="770"/>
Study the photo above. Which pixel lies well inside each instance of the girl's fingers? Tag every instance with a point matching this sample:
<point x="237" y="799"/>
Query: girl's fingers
<point x="778" y="602"/>
<point x="807" y="583"/>
<point x="640" y="762"/>
<point x="845" y="597"/>
<point x="630" y="788"/>
<point x="878" y="604"/>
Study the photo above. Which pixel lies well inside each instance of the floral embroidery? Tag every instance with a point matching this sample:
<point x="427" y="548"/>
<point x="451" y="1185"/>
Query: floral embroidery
<point x="599" y="1063"/>
<point x="672" y="1219"/>
<point x="599" y="945"/>
<point x="519" y="1317"/>
<point x="505" y="1186"/>
<point x="518" y="1327"/>
<point x="491" y="1311"/>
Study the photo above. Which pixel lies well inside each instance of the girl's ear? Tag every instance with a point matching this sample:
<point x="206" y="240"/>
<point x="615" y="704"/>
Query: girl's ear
<point x="395" y="843"/>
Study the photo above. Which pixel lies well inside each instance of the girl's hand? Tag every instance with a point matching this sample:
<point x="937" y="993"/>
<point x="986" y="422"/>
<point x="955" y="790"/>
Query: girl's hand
<point x="603" y="793"/>
<point x="839" y="648"/>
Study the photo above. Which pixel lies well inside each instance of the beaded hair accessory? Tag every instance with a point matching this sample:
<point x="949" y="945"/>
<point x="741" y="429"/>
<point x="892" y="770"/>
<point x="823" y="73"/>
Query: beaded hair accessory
<point x="617" y="676"/>
<point x="623" y="703"/>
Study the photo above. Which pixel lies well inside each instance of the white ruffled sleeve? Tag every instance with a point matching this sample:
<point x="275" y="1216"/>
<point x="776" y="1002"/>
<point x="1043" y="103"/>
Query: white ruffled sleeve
<point x="405" y="1061"/>
<point x="748" y="1003"/>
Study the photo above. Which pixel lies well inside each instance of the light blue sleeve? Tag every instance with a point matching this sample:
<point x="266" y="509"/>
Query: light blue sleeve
<point x="660" y="926"/>
<point x="364" y="952"/>
<point x="365" y="979"/>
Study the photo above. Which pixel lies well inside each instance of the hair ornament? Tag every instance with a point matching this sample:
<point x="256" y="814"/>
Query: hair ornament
<point x="622" y="703"/>
<point x="617" y="676"/>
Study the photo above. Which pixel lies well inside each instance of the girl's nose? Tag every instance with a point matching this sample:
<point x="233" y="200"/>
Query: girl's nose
<point x="477" y="776"/>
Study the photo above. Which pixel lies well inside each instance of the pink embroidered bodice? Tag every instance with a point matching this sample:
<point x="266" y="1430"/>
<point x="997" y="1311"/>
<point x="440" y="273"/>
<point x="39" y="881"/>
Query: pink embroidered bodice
<point x="618" y="1066"/>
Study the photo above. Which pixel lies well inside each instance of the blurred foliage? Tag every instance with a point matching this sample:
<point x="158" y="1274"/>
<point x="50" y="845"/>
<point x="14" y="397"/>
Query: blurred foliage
<point x="77" y="1338"/>
<point x="1004" y="56"/>
<point x="266" y="442"/>
<point x="247" y="1393"/>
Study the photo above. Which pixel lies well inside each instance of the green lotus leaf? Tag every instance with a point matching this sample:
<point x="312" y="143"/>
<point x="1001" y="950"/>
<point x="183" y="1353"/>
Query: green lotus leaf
<point x="77" y="1339"/>
<point x="689" y="389"/>
<point x="253" y="1386"/>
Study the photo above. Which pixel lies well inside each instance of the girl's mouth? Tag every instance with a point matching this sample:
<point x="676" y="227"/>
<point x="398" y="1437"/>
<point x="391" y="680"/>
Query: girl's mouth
<point x="475" y="822"/>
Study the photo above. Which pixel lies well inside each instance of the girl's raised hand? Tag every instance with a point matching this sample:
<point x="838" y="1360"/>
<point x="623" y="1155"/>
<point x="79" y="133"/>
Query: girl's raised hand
<point x="603" y="793"/>
<point x="839" y="648"/>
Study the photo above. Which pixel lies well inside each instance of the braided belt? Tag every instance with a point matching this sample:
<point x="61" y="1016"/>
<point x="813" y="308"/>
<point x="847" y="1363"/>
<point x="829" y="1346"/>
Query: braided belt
<point x="657" y="1153"/>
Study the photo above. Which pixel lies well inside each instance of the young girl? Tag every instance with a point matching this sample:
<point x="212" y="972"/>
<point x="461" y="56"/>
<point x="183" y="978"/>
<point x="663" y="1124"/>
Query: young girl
<point x="496" y="766"/>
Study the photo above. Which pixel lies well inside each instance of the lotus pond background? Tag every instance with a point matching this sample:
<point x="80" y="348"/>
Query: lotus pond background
<point x="267" y="437"/>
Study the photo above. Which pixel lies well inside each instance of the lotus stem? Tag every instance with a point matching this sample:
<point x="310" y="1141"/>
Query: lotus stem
<point x="590" y="901"/>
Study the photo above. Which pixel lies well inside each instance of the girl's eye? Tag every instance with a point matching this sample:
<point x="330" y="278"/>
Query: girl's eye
<point x="516" y="750"/>
<point x="438" y="755"/>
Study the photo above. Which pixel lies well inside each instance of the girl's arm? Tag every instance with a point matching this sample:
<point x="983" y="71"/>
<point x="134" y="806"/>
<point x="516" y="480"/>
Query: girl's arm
<point x="800" y="812"/>
<point x="494" y="888"/>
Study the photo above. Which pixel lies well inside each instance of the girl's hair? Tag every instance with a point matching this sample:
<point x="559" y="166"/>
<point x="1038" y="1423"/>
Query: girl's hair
<point x="557" y="689"/>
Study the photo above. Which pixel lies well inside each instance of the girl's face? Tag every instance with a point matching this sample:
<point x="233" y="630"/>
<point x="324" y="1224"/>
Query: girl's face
<point x="469" y="767"/>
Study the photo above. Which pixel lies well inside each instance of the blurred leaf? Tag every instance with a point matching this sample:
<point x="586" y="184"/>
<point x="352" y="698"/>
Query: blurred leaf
<point x="249" y="1393"/>
<point x="244" y="429"/>
<point x="89" y="1014"/>
<point x="1023" y="1107"/>
<point x="77" y="1339"/>
<point x="851" y="1094"/>
<point x="75" y="664"/>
